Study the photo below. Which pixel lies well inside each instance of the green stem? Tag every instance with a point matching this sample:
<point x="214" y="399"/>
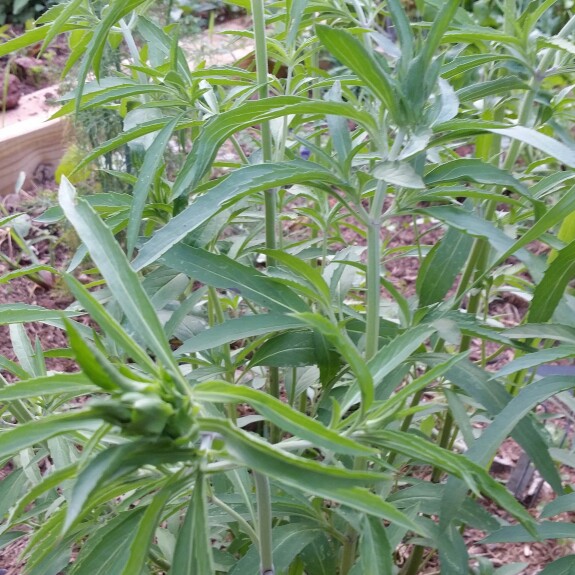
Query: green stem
<point x="374" y="271"/>
<point x="270" y="196"/>
<point x="414" y="562"/>
<point x="133" y="49"/>
<point x="264" y="506"/>
<point x="232" y="513"/>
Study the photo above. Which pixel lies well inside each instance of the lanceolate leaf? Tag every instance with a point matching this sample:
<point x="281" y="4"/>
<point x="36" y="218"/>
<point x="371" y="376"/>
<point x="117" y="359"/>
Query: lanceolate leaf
<point x="144" y="534"/>
<point x="68" y="383"/>
<point x="493" y="396"/>
<point x="307" y="475"/>
<point x="113" y="463"/>
<point x="281" y="414"/>
<point x="14" y="440"/>
<point x="438" y="29"/>
<point x="563" y="566"/>
<point x="110" y="326"/>
<point x="472" y="473"/>
<point x="562" y="504"/>
<point x="348" y="351"/>
<point x="558" y="212"/>
<point x="552" y="287"/>
<point x="442" y="265"/>
<point x="473" y="170"/>
<point x="544" y="331"/>
<point x="288" y="541"/>
<point x="354" y="55"/>
<point x="193" y="547"/>
<point x="219" y="128"/>
<point x="536" y="359"/>
<point x="515" y="411"/>
<point x="108" y="550"/>
<point x="375" y="550"/>
<point x="241" y="182"/>
<point x="291" y="349"/>
<point x="239" y="329"/>
<point x="557" y="150"/>
<point x="95" y="48"/>
<point x="223" y="272"/>
<point x="545" y="530"/>
<point x="151" y="163"/>
<point x="120" y="278"/>
<point x="24" y="313"/>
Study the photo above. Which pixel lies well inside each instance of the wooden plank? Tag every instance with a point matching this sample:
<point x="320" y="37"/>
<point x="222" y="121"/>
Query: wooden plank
<point x="28" y="139"/>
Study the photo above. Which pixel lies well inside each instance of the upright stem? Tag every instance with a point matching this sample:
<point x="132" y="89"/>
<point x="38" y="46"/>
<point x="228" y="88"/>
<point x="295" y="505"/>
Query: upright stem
<point x="374" y="271"/>
<point x="373" y="280"/>
<point x="263" y="496"/>
<point x="270" y="196"/>
<point x="133" y="49"/>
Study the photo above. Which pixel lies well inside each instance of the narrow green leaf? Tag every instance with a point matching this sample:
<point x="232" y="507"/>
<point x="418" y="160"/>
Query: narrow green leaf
<point x="223" y="272"/>
<point x="398" y="351"/>
<point x="110" y="326"/>
<point x="551" y="288"/>
<point x="288" y="541"/>
<point x="152" y="161"/>
<point x="114" y="266"/>
<point x="440" y="25"/>
<point x="545" y="530"/>
<point x="24" y="313"/>
<point x="108" y="550"/>
<point x="556" y="332"/>
<point x="403" y="27"/>
<point x="441" y="266"/>
<point x="10" y="536"/>
<point x="563" y="566"/>
<point x="473" y="170"/>
<point x="222" y="126"/>
<point x="143" y="536"/>
<point x="374" y="548"/>
<point x="307" y="475"/>
<point x="550" y="218"/>
<point x="563" y="504"/>
<point x="69" y="383"/>
<point x="311" y="275"/>
<point x="26" y="271"/>
<point x="95" y="48"/>
<point x="290" y="349"/>
<point x="458" y="465"/>
<point x="351" y="52"/>
<point x="281" y="414"/>
<point x="193" y="547"/>
<point x="536" y="359"/>
<point x="58" y="25"/>
<point x="241" y="182"/>
<point x="499" y="86"/>
<point x="238" y="329"/>
<point x="560" y="151"/>
<point x="340" y="340"/>
<point x="15" y="439"/>
<point x="50" y="481"/>
<point x="29" y="38"/>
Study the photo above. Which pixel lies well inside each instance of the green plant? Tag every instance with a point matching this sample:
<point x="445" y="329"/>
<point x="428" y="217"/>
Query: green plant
<point x="358" y="430"/>
<point x="20" y="11"/>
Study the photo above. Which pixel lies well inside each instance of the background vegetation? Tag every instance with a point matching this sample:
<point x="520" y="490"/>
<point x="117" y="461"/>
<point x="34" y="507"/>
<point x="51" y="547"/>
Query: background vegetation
<point x="258" y="397"/>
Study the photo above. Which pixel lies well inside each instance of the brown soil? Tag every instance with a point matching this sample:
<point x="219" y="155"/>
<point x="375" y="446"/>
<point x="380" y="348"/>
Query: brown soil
<point x="34" y="70"/>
